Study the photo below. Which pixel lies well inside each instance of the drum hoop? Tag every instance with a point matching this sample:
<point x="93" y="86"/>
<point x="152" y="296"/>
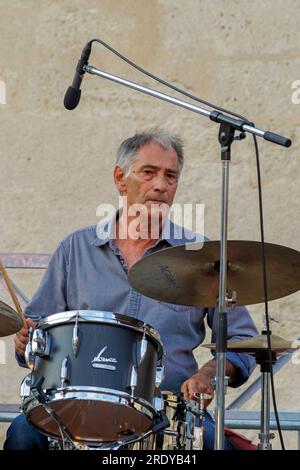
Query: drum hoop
<point x="100" y="316"/>
<point x="95" y="394"/>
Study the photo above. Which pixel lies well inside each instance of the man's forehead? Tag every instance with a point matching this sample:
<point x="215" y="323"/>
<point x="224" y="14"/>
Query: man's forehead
<point x="154" y="154"/>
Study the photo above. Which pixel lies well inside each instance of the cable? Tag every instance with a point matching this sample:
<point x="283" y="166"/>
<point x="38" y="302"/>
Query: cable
<point x="265" y="283"/>
<point x="239" y="116"/>
<point x="169" y="85"/>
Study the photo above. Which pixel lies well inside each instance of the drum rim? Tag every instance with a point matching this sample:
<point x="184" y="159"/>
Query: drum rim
<point x="90" y="393"/>
<point x="102" y="316"/>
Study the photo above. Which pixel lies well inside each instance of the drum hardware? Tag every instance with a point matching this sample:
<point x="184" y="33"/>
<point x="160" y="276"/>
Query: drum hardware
<point x="75" y="339"/>
<point x="265" y="436"/>
<point x="160" y="375"/>
<point x="263" y="359"/>
<point x="143" y="348"/>
<point x="258" y="347"/>
<point x="199" y="420"/>
<point x="231" y="299"/>
<point x="29" y="355"/>
<point x="25" y="387"/>
<point x="133" y="380"/>
<point x="64" y="372"/>
<point x="160" y="422"/>
<point x="40" y="343"/>
<point x="214" y="380"/>
<point x="181" y="433"/>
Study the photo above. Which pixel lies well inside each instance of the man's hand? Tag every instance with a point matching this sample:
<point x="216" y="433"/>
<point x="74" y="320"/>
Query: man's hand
<point x="199" y="383"/>
<point x="21" y="338"/>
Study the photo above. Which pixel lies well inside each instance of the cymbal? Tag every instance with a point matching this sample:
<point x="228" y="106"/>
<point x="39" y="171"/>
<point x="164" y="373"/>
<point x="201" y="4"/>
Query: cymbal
<point x="191" y="276"/>
<point x="10" y="322"/>
<point x="258" y="344"/>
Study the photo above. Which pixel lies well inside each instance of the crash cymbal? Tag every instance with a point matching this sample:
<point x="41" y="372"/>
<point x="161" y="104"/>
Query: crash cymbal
<point x="191" y="276"/>
<point x="10" y="322"/>
<point x="257" y="344"/>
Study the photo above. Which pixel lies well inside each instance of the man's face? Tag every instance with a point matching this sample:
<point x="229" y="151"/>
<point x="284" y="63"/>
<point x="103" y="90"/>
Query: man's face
<point x="153" y="176"/>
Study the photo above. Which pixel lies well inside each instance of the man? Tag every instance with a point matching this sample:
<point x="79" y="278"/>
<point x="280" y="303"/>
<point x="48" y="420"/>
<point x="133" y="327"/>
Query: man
<point x="89" y="270"/>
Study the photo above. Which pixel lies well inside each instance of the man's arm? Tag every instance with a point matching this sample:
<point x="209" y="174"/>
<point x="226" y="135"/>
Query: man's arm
<point x="200" y="382"/>
<point x="238" y="365"/>
<point x="50" y="298"/>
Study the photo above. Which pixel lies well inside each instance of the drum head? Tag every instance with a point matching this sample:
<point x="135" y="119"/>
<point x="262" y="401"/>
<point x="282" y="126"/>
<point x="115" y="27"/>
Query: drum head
<point x="91" y="421"/>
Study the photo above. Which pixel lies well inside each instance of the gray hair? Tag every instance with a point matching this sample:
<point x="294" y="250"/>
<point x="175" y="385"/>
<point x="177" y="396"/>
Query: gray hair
<point x="129" y="147"/>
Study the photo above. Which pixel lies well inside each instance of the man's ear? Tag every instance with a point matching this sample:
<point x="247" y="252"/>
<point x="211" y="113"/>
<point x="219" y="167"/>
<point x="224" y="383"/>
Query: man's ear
<point x="119" y="178"/>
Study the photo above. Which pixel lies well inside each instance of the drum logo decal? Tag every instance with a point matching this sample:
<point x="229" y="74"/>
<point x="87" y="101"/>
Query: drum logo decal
<point x="101" y="362"/>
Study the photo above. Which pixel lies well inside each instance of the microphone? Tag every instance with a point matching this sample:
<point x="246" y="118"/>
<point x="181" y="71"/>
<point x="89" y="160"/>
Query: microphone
<point x="73" y="93"/>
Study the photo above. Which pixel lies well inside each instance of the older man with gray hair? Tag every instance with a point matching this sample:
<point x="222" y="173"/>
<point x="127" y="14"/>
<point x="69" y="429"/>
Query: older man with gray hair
<point x="146" y="174"/>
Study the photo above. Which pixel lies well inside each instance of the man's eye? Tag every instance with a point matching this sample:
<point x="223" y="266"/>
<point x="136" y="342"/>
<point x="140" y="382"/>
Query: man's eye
<point x="172" y="178"/>
<point x="148" y="172"/>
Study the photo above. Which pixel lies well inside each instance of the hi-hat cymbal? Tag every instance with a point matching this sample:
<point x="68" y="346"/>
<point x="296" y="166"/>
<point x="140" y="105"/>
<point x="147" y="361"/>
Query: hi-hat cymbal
<point x="191" y="277"/>
<point x="10" y="322"/>
<point x="258" y="344"/>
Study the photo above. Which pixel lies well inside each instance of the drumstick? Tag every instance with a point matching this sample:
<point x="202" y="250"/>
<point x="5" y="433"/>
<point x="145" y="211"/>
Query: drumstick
<point x="12" y="294"/>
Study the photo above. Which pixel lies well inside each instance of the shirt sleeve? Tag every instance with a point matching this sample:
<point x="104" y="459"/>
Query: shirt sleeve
<point x="240" y="327"/>
<point x="50" y="296"/>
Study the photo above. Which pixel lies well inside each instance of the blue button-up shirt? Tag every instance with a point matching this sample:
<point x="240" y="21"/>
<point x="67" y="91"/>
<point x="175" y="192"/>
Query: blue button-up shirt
<point x="88" y="272"/>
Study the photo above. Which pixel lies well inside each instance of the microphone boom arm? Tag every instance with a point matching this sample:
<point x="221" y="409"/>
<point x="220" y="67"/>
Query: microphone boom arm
<point x="215" y="116"/>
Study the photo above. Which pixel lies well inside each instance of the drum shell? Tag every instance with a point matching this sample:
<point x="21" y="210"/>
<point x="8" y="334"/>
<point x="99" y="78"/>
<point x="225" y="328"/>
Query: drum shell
<point x="123" y="344"/>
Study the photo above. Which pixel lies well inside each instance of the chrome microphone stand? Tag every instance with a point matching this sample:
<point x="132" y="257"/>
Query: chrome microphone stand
<point x="228" y="126"/>
<point x="226" y="136"/>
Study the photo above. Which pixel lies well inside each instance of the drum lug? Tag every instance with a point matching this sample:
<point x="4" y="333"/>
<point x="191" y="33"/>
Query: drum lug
<point x="64" y="372"/>
<point x="75" y="339"/>
<point x="133" y="380"/>
<point x="29" y="356"/>
<point x="158" y="403"/>
<point x="41" y="343"/>
<point x="25" y="387"/>
<point x="160" y="375"/>
<point x="143" y="348"/>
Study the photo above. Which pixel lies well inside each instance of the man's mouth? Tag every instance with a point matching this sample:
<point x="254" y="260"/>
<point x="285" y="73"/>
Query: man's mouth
<point x="157" y="201"/>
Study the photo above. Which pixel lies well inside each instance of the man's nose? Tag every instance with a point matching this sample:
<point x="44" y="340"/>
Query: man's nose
<point x="160" y="183"/>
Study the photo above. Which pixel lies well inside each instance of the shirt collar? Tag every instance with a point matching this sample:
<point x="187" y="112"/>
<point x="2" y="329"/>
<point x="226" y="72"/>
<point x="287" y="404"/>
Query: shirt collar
<point x="172" y="233"/>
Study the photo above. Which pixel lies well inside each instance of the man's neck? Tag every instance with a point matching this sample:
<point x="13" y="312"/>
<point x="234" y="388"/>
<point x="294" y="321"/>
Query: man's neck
<point x="133" y="232"/>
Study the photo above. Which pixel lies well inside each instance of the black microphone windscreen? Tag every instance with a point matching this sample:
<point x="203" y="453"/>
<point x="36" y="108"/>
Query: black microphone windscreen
<point x="72" y="98"/>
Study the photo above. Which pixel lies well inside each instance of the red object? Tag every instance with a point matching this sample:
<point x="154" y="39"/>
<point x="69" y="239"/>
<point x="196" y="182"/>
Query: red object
<point x="240" y="441"/>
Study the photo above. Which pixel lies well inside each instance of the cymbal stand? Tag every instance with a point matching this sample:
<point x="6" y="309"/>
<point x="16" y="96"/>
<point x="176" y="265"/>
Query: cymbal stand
<point x="265" y="366"/>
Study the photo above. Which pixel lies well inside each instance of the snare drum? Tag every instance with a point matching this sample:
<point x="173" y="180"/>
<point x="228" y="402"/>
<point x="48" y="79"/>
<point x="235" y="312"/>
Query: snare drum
<point x="186" y="430"/>
<point x="99" y="371"/>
